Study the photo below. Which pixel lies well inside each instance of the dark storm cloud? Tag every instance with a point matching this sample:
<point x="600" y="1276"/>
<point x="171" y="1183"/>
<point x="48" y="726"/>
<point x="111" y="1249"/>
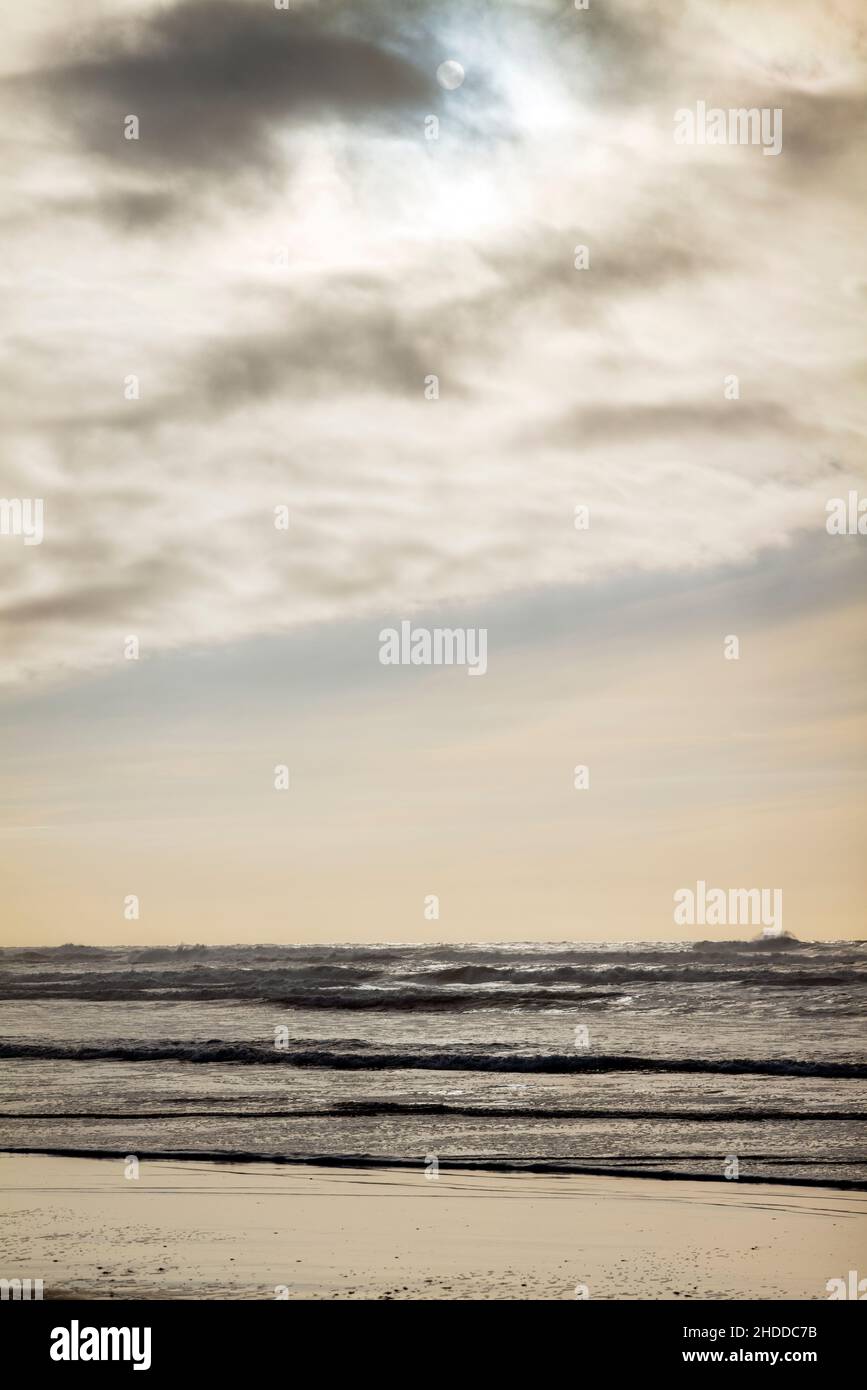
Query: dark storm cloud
<point x="139" y="211"/>
<point x="672" y="420"/>
<point x="127" y="210"/>
<point x="640" y="258"/>
<point x="536" y="269"/>
<point x="820" y="129"/>
<point x="211" y="82"/>
<point x="356" y="338"/>
<point x="365" y="334"/>
<point x="120" y="594"/>
<point x="322" y="354"/>
<point x="374" y="350"/>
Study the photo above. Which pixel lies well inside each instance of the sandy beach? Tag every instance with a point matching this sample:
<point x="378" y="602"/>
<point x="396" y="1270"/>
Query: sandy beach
<point x="185" y="1230"/>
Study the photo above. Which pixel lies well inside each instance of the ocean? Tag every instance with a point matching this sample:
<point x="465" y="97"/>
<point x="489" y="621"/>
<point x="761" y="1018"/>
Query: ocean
<point x="647" y="1059"/>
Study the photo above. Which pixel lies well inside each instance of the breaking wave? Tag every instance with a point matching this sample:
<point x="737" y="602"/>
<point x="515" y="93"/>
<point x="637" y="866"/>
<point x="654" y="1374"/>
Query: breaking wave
<point x="258" y="1054"/>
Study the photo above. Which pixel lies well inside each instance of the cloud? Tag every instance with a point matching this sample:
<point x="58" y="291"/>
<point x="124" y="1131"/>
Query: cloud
<point x="285" y="258"/>
<point x="672" y="420"/>
<point x="212" y="83"/>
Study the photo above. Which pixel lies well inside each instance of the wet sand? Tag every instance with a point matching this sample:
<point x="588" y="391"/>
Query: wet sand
<point x="188" y="1230"/>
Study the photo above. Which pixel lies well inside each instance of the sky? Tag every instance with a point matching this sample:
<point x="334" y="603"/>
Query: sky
<point x="322" y="280"/>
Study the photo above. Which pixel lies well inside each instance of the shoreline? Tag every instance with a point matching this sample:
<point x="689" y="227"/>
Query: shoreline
<point x="195" y="1229"/>
<point x="370" y="1163"/>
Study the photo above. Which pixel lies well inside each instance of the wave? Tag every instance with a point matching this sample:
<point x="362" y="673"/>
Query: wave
<point x="371" y="1109"/>
<point x="709" y="973"/>
<point x="627" y="1168"/>
<point x="452" y="989"/>
<point x="37" y="954"/>
<point x="157" y="954"/>
<point x="322" y="995"/>
<point x="432" y="978"/>
<point x="248" y="1053"/>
